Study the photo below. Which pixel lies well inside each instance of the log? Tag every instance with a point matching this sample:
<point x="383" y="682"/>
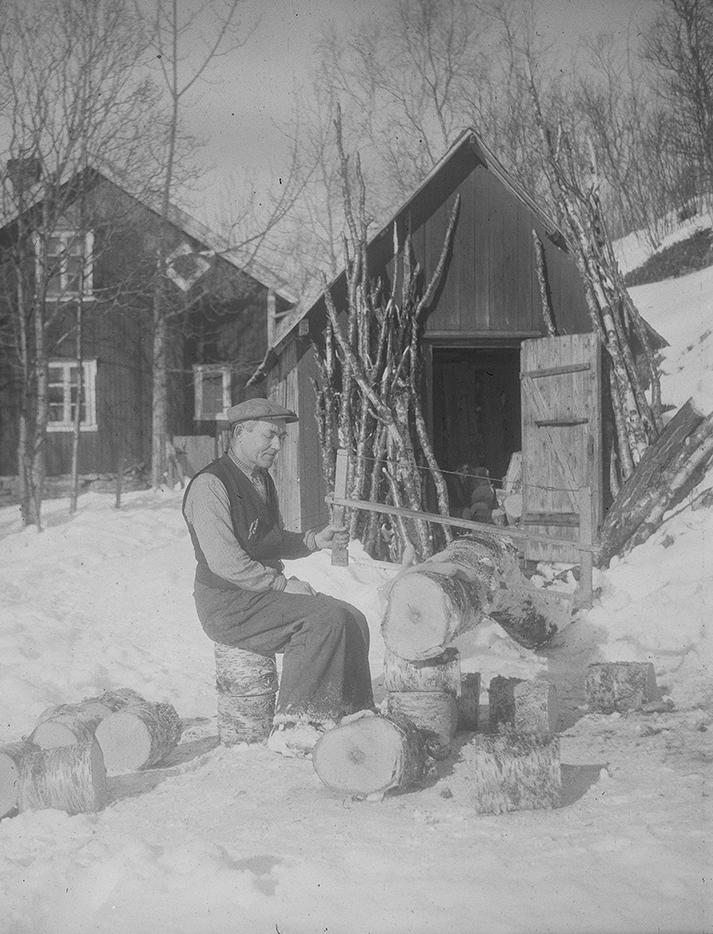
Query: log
<point x="11" y="755"/>
<point x="530" y="706"/>
<point x="431" y="603"/>
<point x="244" y="673"/>
<point x="70" y="778"/>
<point x="468" y="703"/>
<point x="441" y="674"/>
<point x="508" y="772"/>
<point x="615" y="687"/>
<point x="245" y="718"/>
<point x="434" y="713"/>
<point x="246" y="684"/>
<point x="66" y="724"/>
<point x="371" y="755"/>
<point x="650" y="482"/>
<point x="138" y="736"/>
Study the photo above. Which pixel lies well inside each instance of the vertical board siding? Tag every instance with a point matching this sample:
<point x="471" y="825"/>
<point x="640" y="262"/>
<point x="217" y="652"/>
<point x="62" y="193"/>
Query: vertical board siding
<point x="286" y="473"/>
<point x="559" y="460"/>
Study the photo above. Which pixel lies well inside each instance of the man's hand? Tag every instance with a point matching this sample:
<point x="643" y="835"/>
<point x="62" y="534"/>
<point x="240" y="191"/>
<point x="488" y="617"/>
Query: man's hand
<point x="295" y="585"/>
<point x="332" y="536"/>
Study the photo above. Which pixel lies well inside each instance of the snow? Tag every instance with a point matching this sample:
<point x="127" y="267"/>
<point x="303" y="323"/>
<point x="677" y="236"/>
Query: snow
<point x="230" y="840"/>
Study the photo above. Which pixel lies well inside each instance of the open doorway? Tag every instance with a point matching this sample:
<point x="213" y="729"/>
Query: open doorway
<point x="476" y="410"/>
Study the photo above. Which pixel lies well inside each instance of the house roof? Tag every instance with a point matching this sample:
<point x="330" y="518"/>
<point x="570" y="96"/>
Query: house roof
<point x="240" y="258"/>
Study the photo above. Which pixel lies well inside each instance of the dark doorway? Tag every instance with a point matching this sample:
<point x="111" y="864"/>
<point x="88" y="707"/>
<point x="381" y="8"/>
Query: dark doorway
<point x="476" y="407"/>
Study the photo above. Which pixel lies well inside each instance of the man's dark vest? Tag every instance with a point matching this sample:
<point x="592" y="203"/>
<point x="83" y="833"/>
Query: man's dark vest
<point x="256" y="523"/>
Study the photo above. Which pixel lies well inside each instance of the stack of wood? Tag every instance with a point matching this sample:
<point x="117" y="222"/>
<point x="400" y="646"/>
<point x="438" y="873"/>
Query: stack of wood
<point x="429" y="605"/>
<point x="667" y="472"/>
<point x="247" y="685"/>
<point x="65" y="761"/>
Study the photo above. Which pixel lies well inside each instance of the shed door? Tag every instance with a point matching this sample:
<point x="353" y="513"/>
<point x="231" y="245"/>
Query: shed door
<point x="561" y="439"/>
<point x="286" y="471"/>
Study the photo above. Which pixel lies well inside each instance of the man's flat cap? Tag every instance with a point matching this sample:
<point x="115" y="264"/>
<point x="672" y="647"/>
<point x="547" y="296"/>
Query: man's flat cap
<point x="260" y="410"/>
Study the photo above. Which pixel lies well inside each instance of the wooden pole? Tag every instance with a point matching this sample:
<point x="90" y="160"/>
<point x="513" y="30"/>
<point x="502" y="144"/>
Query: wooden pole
<point x="585" y="548"/>
<point x="340" y="554"/>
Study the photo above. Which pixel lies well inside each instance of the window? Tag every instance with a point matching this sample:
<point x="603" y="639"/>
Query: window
<point x="68" y="263"/>
<point x="211" y="386"/>
<point x="63" y="393"/>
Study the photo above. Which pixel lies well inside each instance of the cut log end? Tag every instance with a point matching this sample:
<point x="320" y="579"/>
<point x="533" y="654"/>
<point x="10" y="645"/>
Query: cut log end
<point x="371" y="755"/>
<point x="138" y="736"/>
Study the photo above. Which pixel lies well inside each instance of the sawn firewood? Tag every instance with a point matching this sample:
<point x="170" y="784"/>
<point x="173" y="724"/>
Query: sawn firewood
<point x="70" y="778"/>
<point x="474" y="577"/>
<point x="67" y="724"/>
<point x="246" y="685"/>
<point x="139" y="736"/>
<point x="370" y="755"/>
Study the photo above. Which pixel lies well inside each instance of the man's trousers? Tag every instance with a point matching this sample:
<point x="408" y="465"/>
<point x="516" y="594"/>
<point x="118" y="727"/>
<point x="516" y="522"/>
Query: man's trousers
<point x="324" y="641"/>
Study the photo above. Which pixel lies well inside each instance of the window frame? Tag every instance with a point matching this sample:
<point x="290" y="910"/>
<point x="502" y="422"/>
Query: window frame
<point x="199" y="371"/>
<point x="90" y="395"/>
<point x="66" y="235"/>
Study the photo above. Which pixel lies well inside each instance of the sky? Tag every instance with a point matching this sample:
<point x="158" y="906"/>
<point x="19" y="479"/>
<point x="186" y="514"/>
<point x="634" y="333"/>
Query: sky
<point x="251" y="89"/>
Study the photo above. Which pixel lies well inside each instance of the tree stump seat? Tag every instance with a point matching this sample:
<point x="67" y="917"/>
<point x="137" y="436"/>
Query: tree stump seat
<point x="246" y="685"/>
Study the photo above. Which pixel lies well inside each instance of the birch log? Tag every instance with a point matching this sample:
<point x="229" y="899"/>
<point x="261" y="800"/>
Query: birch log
<point x="441" y="674"/>
<point x="246" y="684"/>
<point x="508" y="772"/>
<point x="434" y="713"/>
<point x="139" y="736"/>
<point x="70" y="778"/>
<point x="66" y="724"/>
<point x="430" y="604"/>
<point x="620" y="686"/>
<point x="11" y="755"/>
<point x="371" y="755"/>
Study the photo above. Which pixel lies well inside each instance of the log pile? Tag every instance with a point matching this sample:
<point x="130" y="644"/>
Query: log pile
<point x="65" y="761"/>
<point x="246" y="684"/>
<point x="667" y="472"/>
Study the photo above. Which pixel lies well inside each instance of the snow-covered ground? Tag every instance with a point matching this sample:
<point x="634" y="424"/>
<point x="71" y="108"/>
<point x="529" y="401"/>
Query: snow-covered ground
<point x="242" y="841"/>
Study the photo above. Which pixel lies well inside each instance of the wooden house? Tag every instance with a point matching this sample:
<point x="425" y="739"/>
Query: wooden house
<point x="484" y="339"/>
<point x="101" y="256"/>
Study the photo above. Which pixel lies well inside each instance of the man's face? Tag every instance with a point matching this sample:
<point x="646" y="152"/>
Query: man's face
<point x="259" y="445"/>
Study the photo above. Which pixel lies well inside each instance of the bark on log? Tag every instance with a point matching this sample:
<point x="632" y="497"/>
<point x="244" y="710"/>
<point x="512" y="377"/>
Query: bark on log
<point x="245" y="718"/>
<point x="138" y="736"/>
<point x="76" y="723"/>
<point x="469" y="702"/>
<point x="435" y="714"/>
<point x="431" y="603"/>
<point x="527" y="706"/>
<point x="620" y="686"/>
<point x="246" y="684"/>
<point x="651" y="481"/>
<point x="441" y="674"/>
<point x="508" y="772"/>
<point x="70" y="778"/>
<point x="244" y="673"/>
<point x="371" y="755"/>
<point x="11" y="755"/>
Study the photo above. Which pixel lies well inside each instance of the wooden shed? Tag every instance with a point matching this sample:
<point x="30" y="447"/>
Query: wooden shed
<point x="484" y="339"/>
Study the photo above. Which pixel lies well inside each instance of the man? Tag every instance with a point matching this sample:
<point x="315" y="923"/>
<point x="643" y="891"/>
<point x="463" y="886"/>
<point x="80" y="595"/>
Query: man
<point x="243" y="599"/>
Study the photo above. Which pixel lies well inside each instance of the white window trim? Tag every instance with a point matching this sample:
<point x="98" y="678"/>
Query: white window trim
<point x="90" y="396"/>
<point x="199" y="370"/>
<point x="66" y="235"/>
